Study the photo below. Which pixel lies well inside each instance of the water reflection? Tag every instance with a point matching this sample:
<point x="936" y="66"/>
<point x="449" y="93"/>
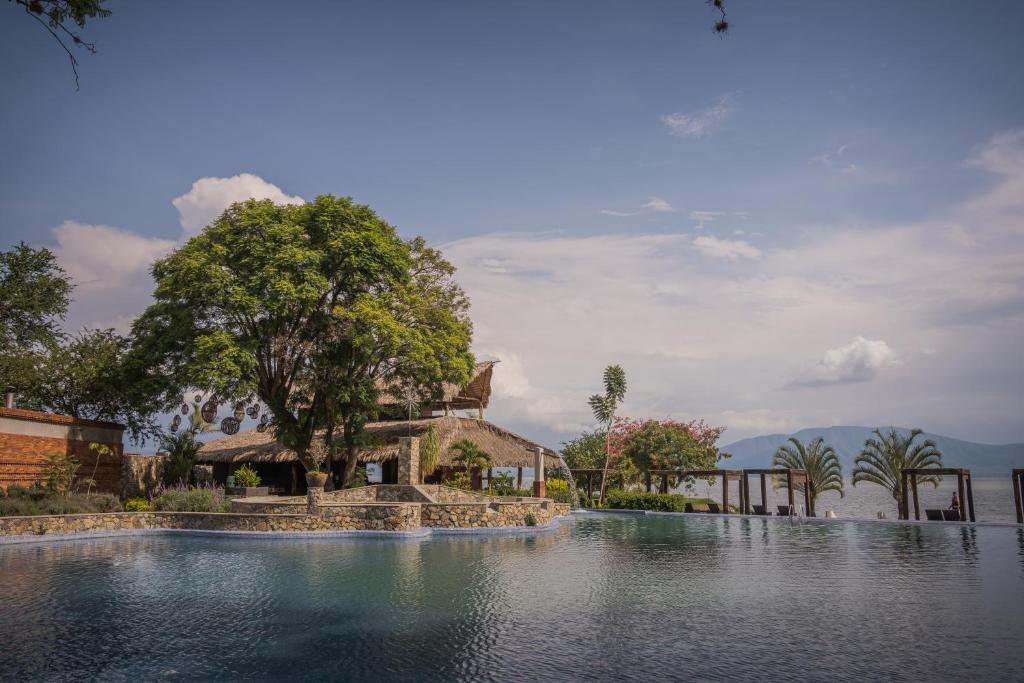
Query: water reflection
<point x="611" y="597"/>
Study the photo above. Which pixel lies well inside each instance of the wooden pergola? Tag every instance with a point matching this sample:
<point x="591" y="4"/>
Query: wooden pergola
<point x="1018" y="495"/>
<point x="962" y="476"/>
<point x="726" y="475"/>
<point x="792" y="477"/>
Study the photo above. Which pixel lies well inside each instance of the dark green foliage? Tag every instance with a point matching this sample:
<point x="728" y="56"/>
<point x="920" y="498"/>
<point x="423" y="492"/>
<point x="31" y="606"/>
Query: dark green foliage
<point x="59" y="18"/>
<point x="20" y="501"/>
<point x="585" y="452"/>
<point x="182" y="449"/>
<point x="504" y="485"/>
<point x="358" y="479"/>
<point x="247" y="477"/>
<point x="886" y="456"/>
<point x="471" y="456"/>
<point x="618" y="499"/>
<point x="530" y="519"/>
<point x="311" y="309"/>
<point x="86" y="377"/>
<point x="60" y="470"/>
<point x="819" y="460"/>
<point x="34" y="296"/>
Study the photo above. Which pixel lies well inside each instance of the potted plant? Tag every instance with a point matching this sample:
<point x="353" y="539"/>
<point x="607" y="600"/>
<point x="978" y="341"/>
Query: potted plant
<point x="316" y="459"/>
<point x="246" y="483"/>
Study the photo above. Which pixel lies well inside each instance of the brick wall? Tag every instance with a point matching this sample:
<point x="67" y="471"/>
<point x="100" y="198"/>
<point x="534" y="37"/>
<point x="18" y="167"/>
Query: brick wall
<point x="27" y="438"/>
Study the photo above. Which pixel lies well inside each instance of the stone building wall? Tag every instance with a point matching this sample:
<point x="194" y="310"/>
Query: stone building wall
<point x="141" y="474"/>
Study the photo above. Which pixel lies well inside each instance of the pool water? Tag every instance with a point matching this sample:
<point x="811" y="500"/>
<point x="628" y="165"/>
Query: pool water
<point x="624" y="597"/>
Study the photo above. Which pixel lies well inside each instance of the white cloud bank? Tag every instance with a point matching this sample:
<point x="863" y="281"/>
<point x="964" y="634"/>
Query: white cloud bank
<point x="110" y="266"/>
<point x="718" y="328"/>
<point x="208" y="198"/>
<point x="701" y="123"/>
<point x="858" y="361"/>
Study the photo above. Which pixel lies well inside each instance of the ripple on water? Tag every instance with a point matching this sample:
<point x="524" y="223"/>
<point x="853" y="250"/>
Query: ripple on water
<point x="622" y="597"/>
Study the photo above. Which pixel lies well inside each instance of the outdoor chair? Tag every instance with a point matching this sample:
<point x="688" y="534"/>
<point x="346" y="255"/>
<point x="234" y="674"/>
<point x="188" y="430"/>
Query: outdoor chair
<point x="783" y="510"/>
<point x="761" y="510"/>
<point x="934" y="515"/>
<point x="714" y="508"/>
<point x="951" y="515"/>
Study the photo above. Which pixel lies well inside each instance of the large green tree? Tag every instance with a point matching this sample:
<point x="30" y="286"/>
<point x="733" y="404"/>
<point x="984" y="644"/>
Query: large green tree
<point x="884" y="458"/>
<point x="819" y="460"/>
<point x="84" y="376"/>
<point x="34" y="297"/>
<point x="587" y="451"/>
<point x="311" y="309"/>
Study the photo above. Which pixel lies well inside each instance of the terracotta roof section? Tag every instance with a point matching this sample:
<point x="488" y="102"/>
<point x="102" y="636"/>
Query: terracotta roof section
<point x="53" y="418"/>
<point x="506" y="448"/>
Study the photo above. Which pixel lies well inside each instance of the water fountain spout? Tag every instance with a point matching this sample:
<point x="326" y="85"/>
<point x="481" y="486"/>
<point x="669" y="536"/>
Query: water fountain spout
<point x="567" y="473"/>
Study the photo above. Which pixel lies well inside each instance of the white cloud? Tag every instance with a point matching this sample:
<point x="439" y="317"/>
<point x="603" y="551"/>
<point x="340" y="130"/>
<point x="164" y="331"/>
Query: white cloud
<point x="208" y="198"/>
<point x="110" y="266"/>
<point x="858" y="361"/>
<point x="727" y="249"/>
<point x="610" y="212"/>
<point x="703" y="217"/>
<point x="110" y="270"/>
<point x="697" y="339"/>
<point x="701" y="123"/>
<point x="658" y="205"/>
<point x="104" y="257"/>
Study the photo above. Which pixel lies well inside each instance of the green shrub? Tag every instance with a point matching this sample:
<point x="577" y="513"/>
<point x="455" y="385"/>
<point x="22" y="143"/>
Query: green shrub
<point x="358" y="479"/>
<point x="185" y="499"/>
<point x="504" y="485"/>
<point x="530" y="519"/>
<point x="461" y="480"/>
<point x="617" y="499"/>
<point x="558" y="491"/>
<point x="60" y="469"/>
<point x="137" y="505"/>
<point x="21" y="501"/>
<point x="246" y="476"/>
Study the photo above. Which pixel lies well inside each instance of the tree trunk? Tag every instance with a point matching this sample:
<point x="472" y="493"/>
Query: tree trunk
<point x="351" y="455"/>
<point x="607" y="457"/>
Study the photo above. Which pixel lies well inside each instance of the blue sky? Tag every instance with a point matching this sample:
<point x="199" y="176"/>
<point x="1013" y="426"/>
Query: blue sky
<point x="813" y="220"/>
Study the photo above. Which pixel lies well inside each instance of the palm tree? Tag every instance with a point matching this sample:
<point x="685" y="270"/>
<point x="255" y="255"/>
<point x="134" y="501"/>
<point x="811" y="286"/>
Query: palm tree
<point x="470" y="455"/>
<point x="820" y="462"/>
<point x="884" y="459"/>
<point x="604" y="411"/>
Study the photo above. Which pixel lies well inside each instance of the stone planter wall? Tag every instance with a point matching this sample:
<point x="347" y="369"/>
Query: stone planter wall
<point x="376" y="516"/>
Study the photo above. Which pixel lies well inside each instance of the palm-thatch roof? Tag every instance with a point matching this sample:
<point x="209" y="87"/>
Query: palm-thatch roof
<point x="475" y="394"/>
<point x="505" y="448"/>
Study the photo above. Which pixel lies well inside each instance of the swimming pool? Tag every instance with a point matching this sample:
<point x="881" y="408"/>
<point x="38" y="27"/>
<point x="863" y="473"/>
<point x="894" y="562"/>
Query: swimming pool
<point x="626" y="597"/>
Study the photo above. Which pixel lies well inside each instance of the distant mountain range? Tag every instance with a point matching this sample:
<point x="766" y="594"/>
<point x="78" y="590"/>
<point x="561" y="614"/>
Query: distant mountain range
<point x="982" y="459"/>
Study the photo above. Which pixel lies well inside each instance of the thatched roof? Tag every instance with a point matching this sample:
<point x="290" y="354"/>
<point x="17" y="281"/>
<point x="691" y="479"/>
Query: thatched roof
<point x="505" y="448"/>
<point x="476" y="394"/>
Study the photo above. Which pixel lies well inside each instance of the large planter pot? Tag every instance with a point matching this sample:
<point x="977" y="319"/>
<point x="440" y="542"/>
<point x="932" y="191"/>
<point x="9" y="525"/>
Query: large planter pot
<point x="317" y="479"/>
<point x="247" y="491"/>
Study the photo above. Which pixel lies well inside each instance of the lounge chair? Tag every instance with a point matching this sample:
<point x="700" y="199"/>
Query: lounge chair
<point x="783" y="510"/>
<point x="934" y="515"/>
<point x="951" y="515"/>
<point x="714" y="508"/>
<point x="760" y="510"/>
<point x="688" y="508"/>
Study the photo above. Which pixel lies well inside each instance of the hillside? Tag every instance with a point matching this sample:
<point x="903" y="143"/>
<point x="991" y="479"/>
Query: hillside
<point x="982" y="459"/>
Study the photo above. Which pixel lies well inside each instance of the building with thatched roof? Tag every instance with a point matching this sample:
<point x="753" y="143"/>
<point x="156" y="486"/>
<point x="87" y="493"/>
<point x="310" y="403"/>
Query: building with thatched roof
<point x="280" y="468"/>
<point x="476" y="395"/>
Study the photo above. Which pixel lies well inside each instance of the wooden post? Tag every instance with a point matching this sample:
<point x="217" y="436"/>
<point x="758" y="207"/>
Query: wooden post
<point x="647" y="480"/>
<point x="519" y="477"/>
<point x="913" y="488"/>
<point x="789" y="489"/>
<point x="745" y="493"/>
<point x="664" y="482"/>
<point x="743" y="496"/>
<point x="1018" y="476"/>
<point x="970" y="499"/>
<point x="904" y="510"/>
<point x="764" y="495"/>
<point x="963" y="498"/>
<point x="807" y="497"/>
<point x="725" y="493"/>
